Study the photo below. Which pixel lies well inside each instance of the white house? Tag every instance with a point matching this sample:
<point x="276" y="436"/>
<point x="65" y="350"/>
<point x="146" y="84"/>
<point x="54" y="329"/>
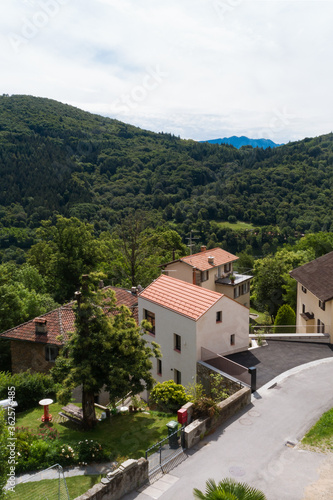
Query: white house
<point x="212" y="269"/>
<point x="186" y="317"/>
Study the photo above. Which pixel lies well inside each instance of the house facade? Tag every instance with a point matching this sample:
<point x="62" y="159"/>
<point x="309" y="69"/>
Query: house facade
<point x="35" y="344"/>
<point x="185" y="318"/>
<point x="213" y="270"/>
<point x="314" y="312"/>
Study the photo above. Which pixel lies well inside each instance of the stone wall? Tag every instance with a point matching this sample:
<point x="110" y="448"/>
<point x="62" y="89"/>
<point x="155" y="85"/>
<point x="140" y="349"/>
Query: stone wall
<point x="27" y="355"/>
<point x="130" y="476"/>
<point x="195" y="431"/>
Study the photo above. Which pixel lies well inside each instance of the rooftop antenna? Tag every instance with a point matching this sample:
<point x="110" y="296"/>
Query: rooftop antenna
<point x="191" y="238"/>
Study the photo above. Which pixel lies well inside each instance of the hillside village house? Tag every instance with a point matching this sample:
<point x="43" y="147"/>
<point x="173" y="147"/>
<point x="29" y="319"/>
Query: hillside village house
<point x="213" y="270"/>
<point x="314" y="312"/>
<point x="186" y="317"/>
<point x="35" y="345"/>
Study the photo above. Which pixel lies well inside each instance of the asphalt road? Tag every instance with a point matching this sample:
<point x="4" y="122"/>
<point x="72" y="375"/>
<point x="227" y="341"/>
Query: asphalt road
<point x="259" y="445"/>
<point x="280" y="356"/>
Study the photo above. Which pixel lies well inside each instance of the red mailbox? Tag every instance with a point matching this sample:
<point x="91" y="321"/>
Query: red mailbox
<point x="182" y="416"/>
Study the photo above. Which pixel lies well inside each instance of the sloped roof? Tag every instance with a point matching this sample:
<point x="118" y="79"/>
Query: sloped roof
<point x="317" y="276"/>
<point x="61" y="321"/>
<point x="181" y="297"/>
<point x="200" y="260"/>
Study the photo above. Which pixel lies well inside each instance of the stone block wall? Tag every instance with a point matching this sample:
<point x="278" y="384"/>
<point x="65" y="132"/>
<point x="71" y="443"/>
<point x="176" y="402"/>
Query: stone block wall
<point x="195" y="431"/>
<point x="130" y="476"/>
<point x="27" y="355"/>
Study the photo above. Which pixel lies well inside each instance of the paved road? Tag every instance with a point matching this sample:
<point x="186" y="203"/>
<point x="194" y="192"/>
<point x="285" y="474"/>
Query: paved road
<point x="279" y="356"/>
<point x="257" y="446"/>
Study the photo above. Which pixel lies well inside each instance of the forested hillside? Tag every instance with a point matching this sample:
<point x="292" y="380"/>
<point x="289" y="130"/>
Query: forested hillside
<point x="56" y="159"/>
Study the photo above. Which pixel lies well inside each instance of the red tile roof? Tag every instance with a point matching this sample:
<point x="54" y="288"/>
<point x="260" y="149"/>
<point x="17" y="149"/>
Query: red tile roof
<point x="200" y="260"/>
<point x="61" y="321"/>
<point x="177" y="295"/>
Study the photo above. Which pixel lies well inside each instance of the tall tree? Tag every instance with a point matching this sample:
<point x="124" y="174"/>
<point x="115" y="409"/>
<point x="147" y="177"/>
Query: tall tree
<point x="67" y="250"/>
<point x="105" y="350"/>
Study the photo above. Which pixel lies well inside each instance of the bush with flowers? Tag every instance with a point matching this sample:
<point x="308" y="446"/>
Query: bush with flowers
<point x="90" y="451"/>
<point x="41" y="449"/>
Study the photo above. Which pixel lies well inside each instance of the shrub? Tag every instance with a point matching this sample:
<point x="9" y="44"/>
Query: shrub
<point x="90" y="451"/>
<point x="168" y="396"/>
<point x="29" y="388"/>
<point x="205" y="407"/>
<point x="285" y="316"/>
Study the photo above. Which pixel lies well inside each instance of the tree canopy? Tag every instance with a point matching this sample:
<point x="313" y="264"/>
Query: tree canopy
<point x="106" y="349"/>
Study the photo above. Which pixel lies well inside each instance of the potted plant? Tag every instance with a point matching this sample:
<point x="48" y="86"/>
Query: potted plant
<point x="232" y="278"/>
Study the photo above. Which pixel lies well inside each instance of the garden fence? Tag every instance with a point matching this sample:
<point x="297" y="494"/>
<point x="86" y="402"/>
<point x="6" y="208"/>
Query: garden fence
<point x="48" y="484"/>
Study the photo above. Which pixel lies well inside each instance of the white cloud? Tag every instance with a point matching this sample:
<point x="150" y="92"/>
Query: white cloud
<point x="222" y="67"/>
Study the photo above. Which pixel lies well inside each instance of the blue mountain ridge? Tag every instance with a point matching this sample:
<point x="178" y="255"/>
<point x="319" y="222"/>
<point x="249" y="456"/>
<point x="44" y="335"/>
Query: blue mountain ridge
<point x="238" y="142"/>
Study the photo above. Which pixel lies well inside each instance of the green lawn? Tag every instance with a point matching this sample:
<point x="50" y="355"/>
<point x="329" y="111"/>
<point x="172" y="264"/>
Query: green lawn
<point x="49" y="488"/>
<point x="262" y="319"/>
<point x="321" y="434"/>
<point x="123" y="436"/>
<point x="239" y="225"/>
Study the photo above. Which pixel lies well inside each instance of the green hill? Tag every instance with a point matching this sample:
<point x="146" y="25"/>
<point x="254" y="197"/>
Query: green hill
<point x="55" y="158"/>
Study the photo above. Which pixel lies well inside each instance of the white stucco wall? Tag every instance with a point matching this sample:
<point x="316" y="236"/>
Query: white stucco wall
<point x="166" y="324"/>
<point x="216" y="336"/>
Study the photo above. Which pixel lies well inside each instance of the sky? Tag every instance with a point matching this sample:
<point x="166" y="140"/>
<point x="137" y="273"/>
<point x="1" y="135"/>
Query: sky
<point x="199" y="69"/>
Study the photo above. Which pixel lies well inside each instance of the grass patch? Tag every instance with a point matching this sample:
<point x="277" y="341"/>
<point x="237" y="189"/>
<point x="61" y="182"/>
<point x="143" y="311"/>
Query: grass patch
<point x="122" y="436"/>
<point x="237" y="226"/>
<point x="263" y="318"/>
<point x="49" y="488"/>
<point x="320" y="436"/>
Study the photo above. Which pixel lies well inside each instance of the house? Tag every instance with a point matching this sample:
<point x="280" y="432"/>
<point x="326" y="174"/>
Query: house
<point x="185" y="318"/>
<point x="35" y="344"/>
<point x="213" y="270"/>
<point x="314" y="312"/>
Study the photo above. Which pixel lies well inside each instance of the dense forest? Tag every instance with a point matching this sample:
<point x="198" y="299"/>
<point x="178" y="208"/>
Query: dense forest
<point x="58" y="160"/>
<point x="81" y="193"/>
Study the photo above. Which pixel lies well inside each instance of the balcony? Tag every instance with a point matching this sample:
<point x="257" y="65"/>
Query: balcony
<point x="225" y="280"/>
<point x="307" y="316"/>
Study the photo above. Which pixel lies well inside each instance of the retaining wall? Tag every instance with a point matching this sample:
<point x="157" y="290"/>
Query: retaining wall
<point x="130" y="476"/>
<point x="195" y="431"/>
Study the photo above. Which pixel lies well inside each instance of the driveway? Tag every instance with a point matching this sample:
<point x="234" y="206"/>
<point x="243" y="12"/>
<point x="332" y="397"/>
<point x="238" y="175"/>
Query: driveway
<point x="279" y="356"/>
<point x="259" y="446"/>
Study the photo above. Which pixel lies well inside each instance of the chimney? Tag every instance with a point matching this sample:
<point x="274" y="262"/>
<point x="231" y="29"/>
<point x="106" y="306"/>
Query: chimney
<point x="134" y="290"/>
<point x="203" y="248"/>
<point x="40" y="326"/>
<point x="211" y="260"/>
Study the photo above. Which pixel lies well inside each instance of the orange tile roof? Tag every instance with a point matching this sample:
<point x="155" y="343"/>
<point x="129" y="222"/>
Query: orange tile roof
<point x="177" y="295"/>
<point x="200" y="260"/>
<point x="61" y="321"/>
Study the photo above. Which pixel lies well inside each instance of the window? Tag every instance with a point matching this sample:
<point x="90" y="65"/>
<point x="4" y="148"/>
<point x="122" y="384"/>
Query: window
<point x="320" y="326"/>
<point x="159" y="367"/>
<point x="204" y="276"/>
<point x="219" y="317"/>
<point x="149" y="316"/>
<point x="177" y="342"/>
<point x="303" y="308"/>
<point x="232" y="339"/>
<point x="51" y="353"/>
<point x="178" y="376"/>
<point x="245" y="288"/>
<point x="227" y="267"/>
<point x="304" y="289"/>
<point x="236" y="292"/>
<point x="322" y="305"/>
